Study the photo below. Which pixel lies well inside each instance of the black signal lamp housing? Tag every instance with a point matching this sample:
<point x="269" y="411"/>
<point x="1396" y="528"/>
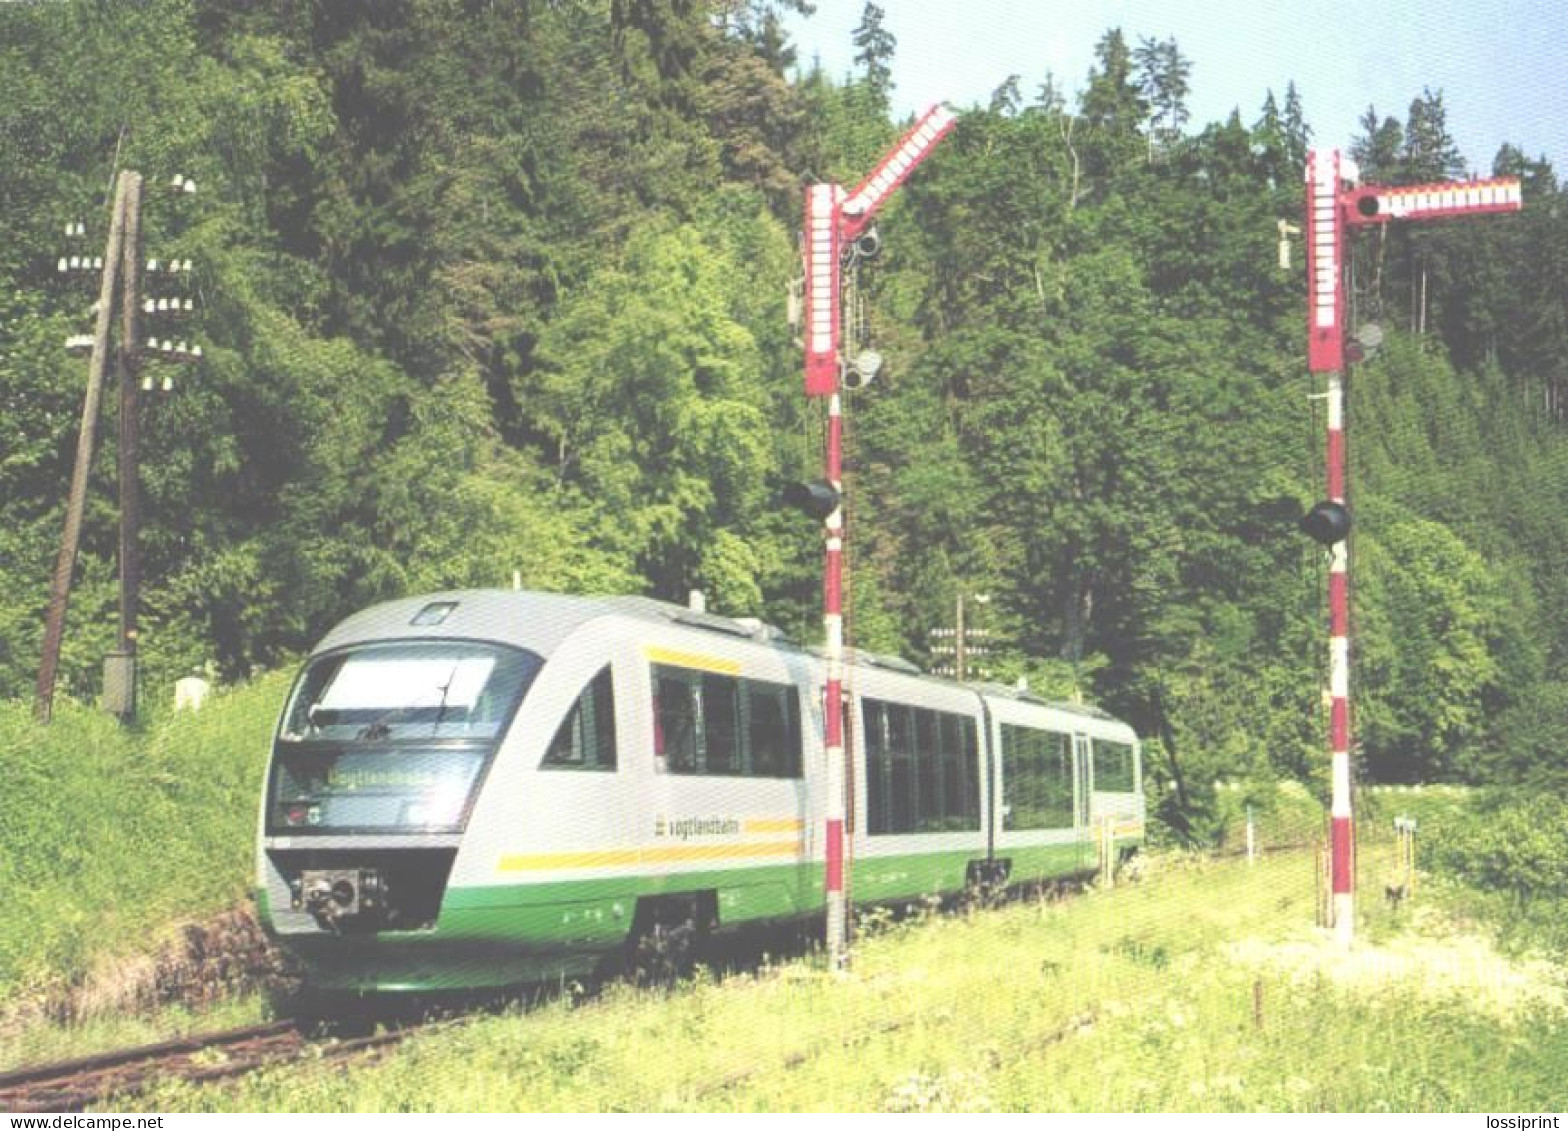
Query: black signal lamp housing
<point x="1327" y="523"/>
<point x="817" y="499"/>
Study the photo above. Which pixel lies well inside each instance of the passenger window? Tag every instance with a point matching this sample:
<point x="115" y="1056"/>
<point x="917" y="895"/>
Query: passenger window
<point x="675" y="723"/>
<point x="708" y="723"/>
<point x="1037" y="778"/>
<point x="586" y="740"/>
<point x="922" y="770"/>
<point x="1113" y="771"/>
<point x="720" y="726"/>
<point x="929" y="800"/>
<point x="877" y="768"/>
<point x="774" y="730"/>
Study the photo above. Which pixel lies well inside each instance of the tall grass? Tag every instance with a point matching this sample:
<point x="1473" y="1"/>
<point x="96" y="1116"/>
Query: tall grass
<point x="1132" y="999"/>
<point x="108" y="835"/>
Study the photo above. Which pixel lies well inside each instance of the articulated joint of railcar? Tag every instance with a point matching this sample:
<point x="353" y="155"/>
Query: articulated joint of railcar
<point x="989" y="873"/>
<point x="986" y="880"/>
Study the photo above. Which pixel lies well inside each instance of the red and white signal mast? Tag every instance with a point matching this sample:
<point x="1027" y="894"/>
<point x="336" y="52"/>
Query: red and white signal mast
<point x="834" y="224"/>
<point x="1336" y="203"/>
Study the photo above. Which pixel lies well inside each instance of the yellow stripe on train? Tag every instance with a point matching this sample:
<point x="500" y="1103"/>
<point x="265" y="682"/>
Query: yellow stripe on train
<point x="661" y="854"/>
<point x="691" y="660"/>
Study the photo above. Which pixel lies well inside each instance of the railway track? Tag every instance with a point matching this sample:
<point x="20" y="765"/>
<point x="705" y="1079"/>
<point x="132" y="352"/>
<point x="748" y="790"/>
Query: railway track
<point x="72" y="1085"/>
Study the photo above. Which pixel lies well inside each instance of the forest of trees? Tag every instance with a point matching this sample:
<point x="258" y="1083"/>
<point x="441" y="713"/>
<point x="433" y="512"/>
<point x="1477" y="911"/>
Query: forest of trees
<point x="497" y="286"/>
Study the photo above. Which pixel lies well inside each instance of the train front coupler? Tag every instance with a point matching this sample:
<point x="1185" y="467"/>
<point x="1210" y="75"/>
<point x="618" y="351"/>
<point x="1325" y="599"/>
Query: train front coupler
<point x="339" y="898"/>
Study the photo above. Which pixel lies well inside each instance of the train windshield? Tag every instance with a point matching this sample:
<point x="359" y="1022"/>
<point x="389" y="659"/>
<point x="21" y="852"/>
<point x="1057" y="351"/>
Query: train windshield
<point x="393" y="737"/>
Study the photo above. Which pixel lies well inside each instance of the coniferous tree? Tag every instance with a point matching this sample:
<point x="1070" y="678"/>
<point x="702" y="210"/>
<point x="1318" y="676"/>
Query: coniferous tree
<point x="1163" y="81"/>
<point x="874" y="47"/>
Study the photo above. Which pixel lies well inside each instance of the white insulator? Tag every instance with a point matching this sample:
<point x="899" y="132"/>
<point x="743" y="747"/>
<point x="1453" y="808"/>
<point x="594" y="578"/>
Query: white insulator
<point x="163" y="305"/>
<point x="186" y="267"/>
<point x="98" y="263"/>
<point x="152" y="265"/>
<point x="76" y="263"/>
<point x="147" y="383"/>
<point x="168" y="346"/>
<point x="195" y="353"/>
<point x="168" y="383"/>
<point x="148" y="306"/>
<point x="65" y="264"/>
<point x="190" y="305"/>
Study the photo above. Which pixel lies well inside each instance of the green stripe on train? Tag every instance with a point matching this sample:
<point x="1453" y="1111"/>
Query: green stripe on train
<point x="508" y="934"/>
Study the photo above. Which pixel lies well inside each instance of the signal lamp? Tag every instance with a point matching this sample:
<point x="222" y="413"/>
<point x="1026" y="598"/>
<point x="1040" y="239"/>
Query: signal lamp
<point x="1326" y="523"/>
<point x="863" y="370"/>
<point x="1364" y="343"/>
<point x="816" y="499"/>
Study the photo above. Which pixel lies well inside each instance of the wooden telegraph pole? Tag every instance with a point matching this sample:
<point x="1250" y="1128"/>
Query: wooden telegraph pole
<point x="70" y="541"/>
<point x="122" y="699"/>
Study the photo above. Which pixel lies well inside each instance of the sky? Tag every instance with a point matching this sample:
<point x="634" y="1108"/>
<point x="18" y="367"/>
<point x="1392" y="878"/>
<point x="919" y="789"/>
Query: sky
<point x="1501" y="65"/>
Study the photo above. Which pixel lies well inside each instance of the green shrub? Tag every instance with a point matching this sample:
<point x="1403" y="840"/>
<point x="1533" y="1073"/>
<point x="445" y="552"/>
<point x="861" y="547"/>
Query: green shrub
<point x="1510" y="849"/>
<point x="1517" y="845"/>
<point x="109" y="834"/>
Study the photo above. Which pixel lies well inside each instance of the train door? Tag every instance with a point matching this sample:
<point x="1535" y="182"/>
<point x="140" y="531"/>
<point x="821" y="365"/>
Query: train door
<point x="1083" y="787"/>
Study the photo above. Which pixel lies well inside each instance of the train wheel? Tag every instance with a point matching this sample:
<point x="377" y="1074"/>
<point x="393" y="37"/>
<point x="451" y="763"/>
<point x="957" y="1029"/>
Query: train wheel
<point x="665" y="954"/>
<point x="666" y="940"/>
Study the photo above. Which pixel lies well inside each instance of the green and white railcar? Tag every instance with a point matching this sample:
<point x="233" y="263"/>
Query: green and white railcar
<point x="482" y="788"/>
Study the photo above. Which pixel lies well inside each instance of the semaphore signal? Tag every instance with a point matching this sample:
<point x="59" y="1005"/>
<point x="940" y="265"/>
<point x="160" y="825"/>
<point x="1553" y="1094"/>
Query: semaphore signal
<point x="1337" y="203"/>
<point x="837" y="227"/>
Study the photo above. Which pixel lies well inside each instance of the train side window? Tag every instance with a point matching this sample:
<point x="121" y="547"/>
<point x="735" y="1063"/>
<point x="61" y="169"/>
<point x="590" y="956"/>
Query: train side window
<point x="960" y="774"/>
<point x="971" y="757"/>
<point x="1113" y="770"/>
<point x="1037" y="776"/>
<point x="922" y="769"/>
<point x="725" y="726"/>
<point x="721" y="752"/>
<point x="877" y="768"/>
<point x="929" y="770"/>
<point x="773" y="729"/>
<point x="901" y="758"/>
<point x="586" y="740"/>
<point x="675" y="721"/>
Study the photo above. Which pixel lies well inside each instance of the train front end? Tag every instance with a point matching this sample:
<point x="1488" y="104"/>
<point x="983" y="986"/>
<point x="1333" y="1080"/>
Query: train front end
<point x="379" y="760"/>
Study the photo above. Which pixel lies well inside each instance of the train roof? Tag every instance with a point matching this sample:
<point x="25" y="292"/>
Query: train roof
<point x="539" y="622"/>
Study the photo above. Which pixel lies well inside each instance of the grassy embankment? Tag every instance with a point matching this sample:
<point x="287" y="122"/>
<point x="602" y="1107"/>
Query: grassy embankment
<point x="111" y="837"/>
<point x="1201" y="987"/>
